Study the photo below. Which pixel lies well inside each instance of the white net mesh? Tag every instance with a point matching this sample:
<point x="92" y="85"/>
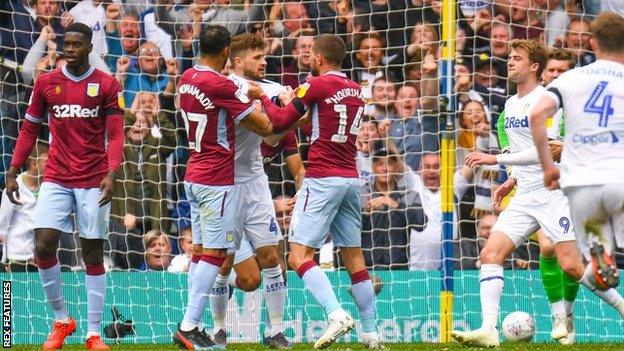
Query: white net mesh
<point x="394" y="53"/>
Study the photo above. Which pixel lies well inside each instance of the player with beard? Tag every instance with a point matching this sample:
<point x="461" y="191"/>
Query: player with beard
<point x="329" y="198"/>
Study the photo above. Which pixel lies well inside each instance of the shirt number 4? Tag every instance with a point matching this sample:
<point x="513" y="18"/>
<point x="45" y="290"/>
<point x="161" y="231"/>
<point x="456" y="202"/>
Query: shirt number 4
<point x="604" y="110"/>
<point x="341" y="136"/>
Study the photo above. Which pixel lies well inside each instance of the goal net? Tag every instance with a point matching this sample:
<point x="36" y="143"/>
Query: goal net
<point x="394" y="53"/>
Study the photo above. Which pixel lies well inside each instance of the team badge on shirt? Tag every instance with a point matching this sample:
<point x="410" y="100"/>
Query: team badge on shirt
<point x="121" y="101"/>
<point x="229" y="236"/>
<point x="93" y="89"/>
<point x="302" y="90"/>
<point x="57" y="89"/>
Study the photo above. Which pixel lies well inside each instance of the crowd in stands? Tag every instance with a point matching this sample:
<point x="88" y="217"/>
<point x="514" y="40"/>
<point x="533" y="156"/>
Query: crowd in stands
<point x="394" y="52"/>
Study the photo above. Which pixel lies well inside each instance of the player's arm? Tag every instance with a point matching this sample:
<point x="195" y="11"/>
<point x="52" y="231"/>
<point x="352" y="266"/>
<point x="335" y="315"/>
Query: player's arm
<point x="546" y="106"/>
<point x="114" y="116"/>
<point x="27" y="138"/>
<point x="258" y="123"/>
<point x="293" y="159"/>
<point x="282" y="118"/>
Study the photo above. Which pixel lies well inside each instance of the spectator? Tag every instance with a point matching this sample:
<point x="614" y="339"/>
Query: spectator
<point x="298" y="71"/>
<point x="366" y="139"/>
<point x="390" y="211"/>
<point x="426" y="244"/>
<point x="370" y="63"/>
<point x="26" y="29"/>
<point x="157" y="251"/>
<point x="122" y="38"/>
<point x="139" y="199"/>
<point x="555" y="19"/>
<point x="577" y="41"/>
<point x="424" y="40"/>
<point x="381" y="105"/>
<point x="499" y="49"/>
<point x="17" y="229"/>
<point x="474" y="129"/>
<point x="149" y="75"/>
<point x="295" y="20"/>
<point x="93" y="14"/>
<point x="180" y="263"/>
<point x="524" y="22"/>
<point x="466" y="89"/>
<point x="35" y="64"/>
<point x="403" y="129"/>
<point x="205" y="11"/>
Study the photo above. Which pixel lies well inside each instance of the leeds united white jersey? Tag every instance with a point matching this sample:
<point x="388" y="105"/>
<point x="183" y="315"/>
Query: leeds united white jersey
<point x="592" y="98"/>
<point x="247" y="158"/>
<point x="518" y="131"/>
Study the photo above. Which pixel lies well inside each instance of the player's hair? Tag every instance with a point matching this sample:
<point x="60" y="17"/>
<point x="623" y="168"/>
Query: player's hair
<point x="244" y="42"/>
<point x="607" y="29"/>
<point x="213" y="39"/>
<point x="562" y="55"/>
<point x="331" y="47"/>
<point x="39" y="149"/>
<point x="537" y="52"/>
<point x="80" y="28"/>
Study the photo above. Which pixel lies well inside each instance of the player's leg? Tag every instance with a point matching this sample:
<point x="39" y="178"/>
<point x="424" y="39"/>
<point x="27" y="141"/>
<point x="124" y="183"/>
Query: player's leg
<point x="346" y="233"/>
<point x="591" y="209"/>
<point x="52" y="211"/>
<point x="263" y="233"/>
<point x="555" y="220"/>
<point x="217" y="204"/>
<point x="570" y="261"/>
<point x="315" y="209"/>
<point x="553" y="282"/>
<point x="219" y="297"/>
<point x="92" y="229"/>
<point x="509" y="231"/>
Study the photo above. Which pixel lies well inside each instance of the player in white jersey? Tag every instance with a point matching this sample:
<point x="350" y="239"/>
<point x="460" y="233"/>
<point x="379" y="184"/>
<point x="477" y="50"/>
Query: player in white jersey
<point x="531" y="208"/>
<point x="561" y="289"/>
<point x="256" y="227"/>
<point x="592" y="167"/>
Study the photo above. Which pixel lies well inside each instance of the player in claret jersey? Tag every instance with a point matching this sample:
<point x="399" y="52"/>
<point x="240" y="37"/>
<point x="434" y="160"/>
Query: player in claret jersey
<point x="329" y="199"/>
<point x="211" y="105"/>
<point x="84" y="106"/>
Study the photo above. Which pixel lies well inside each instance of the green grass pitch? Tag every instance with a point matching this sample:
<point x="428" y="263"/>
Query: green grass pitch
<point x="354" y="347"/>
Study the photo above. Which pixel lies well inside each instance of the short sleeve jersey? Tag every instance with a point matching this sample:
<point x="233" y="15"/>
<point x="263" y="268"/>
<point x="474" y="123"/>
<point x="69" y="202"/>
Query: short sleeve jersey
<point x="210" y="105"/>
<point x="77" y="109"/>
<point x="592" y="98"/>
<point x="248" y="159"/>
<point x="336" y="105"/>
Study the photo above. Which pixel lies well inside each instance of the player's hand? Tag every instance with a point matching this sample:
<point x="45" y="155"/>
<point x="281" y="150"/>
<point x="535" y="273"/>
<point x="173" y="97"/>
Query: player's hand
<point x="502" y="191"/>
<point x="551" y="177"/>
<point x="130" y="221"/>
<point x="106" y="189"/>
<point x="12" y="188"/>
<point x="255" y="91"/>
<point x="173" y="70"/>
<point x="286" y="98"/>
<point x="112" y="11"/>
<point x="123" y="63"/>
<point x="66" y="19"/>
<point x="479" y="158"/>
<point x="556" y="146"/>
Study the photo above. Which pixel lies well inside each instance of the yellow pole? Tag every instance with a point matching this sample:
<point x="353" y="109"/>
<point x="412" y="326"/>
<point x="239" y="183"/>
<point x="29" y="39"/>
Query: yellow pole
<point x="448" y="167"/>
